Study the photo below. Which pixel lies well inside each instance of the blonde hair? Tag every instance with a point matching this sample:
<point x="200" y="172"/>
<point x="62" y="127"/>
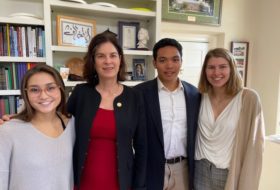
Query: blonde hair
<point x="234" y="84"/>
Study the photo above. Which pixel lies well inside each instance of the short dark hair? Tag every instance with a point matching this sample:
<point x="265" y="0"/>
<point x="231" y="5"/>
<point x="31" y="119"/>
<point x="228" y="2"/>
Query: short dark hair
<point x="167" y="42"/>
<point x="28" y="111"/>
<point x="90" y="73"/>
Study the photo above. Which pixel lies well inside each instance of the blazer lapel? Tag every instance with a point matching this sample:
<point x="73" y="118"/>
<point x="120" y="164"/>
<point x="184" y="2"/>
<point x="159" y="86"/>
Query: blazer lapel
<point x="153" y="99"/>
<point x="189" y="107"/>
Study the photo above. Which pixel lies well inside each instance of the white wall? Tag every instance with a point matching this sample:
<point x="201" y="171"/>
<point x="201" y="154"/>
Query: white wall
<point x="266" y="56"/>
<point x="255" y="21"/>
<point x="271" y="167"/>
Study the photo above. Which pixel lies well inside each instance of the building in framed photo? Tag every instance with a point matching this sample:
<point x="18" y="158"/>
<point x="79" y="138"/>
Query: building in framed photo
<point x="139" y="70"/>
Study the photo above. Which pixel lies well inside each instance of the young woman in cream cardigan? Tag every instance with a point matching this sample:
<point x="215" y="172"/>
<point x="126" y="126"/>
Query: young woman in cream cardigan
<point x="230" y="137"/>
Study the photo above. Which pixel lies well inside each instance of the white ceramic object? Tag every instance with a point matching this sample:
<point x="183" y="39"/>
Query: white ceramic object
<point x="24" y="15"/>
<point x="76" y="1"/>
<point x="104" y="4"/>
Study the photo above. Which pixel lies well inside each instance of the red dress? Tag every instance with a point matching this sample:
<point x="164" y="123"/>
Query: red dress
<point x="100" y="171"/>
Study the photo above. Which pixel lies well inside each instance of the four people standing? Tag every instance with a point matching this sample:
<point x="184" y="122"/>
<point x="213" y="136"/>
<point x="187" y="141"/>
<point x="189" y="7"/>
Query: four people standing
<point x="111" y="151"/>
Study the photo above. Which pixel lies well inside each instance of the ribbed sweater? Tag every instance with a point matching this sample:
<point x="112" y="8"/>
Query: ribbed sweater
<point x="30" y="160"/>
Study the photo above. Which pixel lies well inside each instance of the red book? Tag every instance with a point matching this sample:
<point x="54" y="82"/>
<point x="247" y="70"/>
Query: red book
<point x="19" y="41"/>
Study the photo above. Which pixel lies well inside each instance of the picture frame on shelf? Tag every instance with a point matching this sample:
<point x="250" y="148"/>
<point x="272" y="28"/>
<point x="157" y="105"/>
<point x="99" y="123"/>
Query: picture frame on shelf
<point x="139" y="69"/>
<point x="72" y="31"/>
<point x="128" y="34"/>
<point x="205" y="12"/>
<point x="240" y="51"/>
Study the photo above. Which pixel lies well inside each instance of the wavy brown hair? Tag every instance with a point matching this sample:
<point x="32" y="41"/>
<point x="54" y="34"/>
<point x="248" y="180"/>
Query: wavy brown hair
<point x="234" y="84"/>
<point x="90" y="73"/>
<point x="28" y="111"/>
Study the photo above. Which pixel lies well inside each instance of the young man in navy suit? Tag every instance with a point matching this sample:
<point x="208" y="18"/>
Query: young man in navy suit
<point x="172" y="108"/>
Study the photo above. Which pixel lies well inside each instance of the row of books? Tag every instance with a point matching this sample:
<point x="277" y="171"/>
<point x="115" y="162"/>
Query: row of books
<point x="22" y="41"/>
<point x="11" y="74"/>
<point x="10" y="105"/>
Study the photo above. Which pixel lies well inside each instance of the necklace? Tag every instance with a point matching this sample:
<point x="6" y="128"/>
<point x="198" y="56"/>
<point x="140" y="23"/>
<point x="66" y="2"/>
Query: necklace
<point x="110" y="92"/>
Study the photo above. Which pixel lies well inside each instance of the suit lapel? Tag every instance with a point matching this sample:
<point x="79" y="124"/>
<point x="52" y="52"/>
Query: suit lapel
<point x="189" y="109"/>
<point x="153" y="99"/>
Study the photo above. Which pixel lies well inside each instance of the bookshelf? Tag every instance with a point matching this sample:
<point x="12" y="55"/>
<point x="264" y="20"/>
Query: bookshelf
<point x="106" y="18"/>
<point x="16" y="58"/>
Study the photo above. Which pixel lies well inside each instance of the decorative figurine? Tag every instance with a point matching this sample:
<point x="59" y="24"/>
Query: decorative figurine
<point x="143" y="37"/>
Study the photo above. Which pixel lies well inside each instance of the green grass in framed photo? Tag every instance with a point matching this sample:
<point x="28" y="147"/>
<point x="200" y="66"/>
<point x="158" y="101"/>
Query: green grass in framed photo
<point x="207" y="12"/>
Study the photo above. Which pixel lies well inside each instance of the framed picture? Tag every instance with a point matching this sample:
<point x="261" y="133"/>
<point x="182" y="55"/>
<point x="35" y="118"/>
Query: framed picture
<point x="240" y="52"/>
<point x="128" y="34"/>
<point x="193" y="11"/>
<point x="139" y="69"/>
<point x="74" y="31"/>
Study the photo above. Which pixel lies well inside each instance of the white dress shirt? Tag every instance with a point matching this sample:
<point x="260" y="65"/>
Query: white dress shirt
<point x="174" y="120"/>
<point x="215" y="138"/>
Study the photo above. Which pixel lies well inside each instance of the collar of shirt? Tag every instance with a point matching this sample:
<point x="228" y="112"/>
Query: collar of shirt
<point x="162" y="87"/>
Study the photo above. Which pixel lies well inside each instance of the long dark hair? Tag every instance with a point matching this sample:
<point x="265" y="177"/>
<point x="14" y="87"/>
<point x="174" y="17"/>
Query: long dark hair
<point x="28" y="111"/>
<point x="90" y="73"/>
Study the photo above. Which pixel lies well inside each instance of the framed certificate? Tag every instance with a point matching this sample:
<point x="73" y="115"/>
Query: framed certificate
<point x="128" y="34"/>
<point x="240" y="52"/>
<point x="73" y="31"/>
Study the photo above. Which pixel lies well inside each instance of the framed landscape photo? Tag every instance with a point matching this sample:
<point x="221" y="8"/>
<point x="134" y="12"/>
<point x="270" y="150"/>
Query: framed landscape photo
<point x="193" y="11"/>
<point x="73" y="31"/>
<point x="139" y="69"/>
<point x="240" y="52"/>
<point x="128" y="34"/>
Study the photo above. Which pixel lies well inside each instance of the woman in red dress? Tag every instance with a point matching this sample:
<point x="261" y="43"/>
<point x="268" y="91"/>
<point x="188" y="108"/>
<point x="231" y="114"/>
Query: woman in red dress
<point x="111" y="147"/>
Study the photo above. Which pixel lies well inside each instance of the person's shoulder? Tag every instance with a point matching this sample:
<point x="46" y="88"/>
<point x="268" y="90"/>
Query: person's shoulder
<point x="131" y="90"/>
<point x="133" y="93"/>
<point x="83" y="89"/>
<point x="70" y="121"/>
<point x="14" y="122"/>
<point x="82" y="86"/>
<point x="145" y="85"/>
<point x="12" y="125"/>
<point x="249" y="93"/>
<point x="189" y="87"/>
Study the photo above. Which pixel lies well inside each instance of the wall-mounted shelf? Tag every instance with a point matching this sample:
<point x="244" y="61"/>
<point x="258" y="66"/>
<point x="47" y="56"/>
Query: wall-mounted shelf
<point x="9" y="92"/>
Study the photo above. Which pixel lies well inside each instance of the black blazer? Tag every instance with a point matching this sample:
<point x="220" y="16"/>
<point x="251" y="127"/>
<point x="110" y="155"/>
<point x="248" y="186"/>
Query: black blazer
<point x="156" y="157"/>
<point x="131" y="133"/>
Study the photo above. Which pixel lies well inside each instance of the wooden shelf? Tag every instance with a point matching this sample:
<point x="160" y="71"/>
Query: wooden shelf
<point x="131" y="83"/>
<point x="22" y="59"/>
<point x="137" y="52"/>
<point x="24" y="21"/>
<point x="9" y="92"/>
<point x="69" y="49"/>
<point x="84" y="50"/>
<point x="96" y="10"/>
<point x="72" y="83"/>
<point x="127" y="83"/>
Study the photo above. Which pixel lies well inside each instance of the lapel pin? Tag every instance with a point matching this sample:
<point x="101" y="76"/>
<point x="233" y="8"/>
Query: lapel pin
<point x="119" y="104"/>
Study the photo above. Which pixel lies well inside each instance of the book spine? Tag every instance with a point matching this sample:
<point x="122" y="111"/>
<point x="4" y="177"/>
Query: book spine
<point x="15" y="43"/>
<point x="1" y="41"/>
<point x="23" y="38"/>
<point x="8" y="40"/>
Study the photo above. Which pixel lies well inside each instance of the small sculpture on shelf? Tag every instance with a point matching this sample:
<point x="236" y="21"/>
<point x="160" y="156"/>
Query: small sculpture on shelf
<point x="76" y="66"/>
<point x="143" y="37"/>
